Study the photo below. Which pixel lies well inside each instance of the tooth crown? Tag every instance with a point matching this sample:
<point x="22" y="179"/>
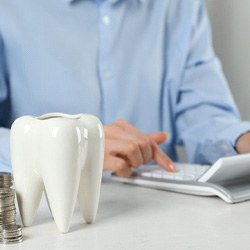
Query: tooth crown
<point x="63" y="155"/>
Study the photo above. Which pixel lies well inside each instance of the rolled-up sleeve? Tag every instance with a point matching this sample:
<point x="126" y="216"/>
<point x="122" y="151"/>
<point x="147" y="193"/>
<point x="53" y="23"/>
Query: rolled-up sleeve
<point x="207" y="120"/>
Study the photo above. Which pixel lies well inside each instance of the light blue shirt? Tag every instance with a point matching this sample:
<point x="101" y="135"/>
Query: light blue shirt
<point x="149" y="62"/>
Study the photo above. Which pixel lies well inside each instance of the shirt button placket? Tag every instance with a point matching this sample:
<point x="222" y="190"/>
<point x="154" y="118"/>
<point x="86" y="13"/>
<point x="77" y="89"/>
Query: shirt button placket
<point x="105" y="59"/>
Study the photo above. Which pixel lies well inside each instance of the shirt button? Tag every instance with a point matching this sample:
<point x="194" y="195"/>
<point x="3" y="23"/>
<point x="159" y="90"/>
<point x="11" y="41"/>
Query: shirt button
<point x="107" y="74"/>
<point x="106" y="20"/>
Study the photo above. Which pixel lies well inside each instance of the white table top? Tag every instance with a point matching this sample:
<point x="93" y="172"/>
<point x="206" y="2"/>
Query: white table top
<point x="138" y="218"/>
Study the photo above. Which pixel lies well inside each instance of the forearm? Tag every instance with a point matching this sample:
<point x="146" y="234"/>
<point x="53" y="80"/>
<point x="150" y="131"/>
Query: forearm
<point x="243" y="143"/>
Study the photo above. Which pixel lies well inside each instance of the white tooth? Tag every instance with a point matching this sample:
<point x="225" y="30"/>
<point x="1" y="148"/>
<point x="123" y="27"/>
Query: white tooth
<point x="65" y="154"/>
<point x="89" y="189"/>
<point x="28" y="181"/>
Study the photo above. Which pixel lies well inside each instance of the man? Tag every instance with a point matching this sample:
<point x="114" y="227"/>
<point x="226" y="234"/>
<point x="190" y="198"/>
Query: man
<point x="149" y="62"/>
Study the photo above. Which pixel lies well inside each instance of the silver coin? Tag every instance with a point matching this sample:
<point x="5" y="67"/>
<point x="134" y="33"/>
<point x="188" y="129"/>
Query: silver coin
<point x="7" y="207"/>
<point x="19" y="240"/>
<point x="7" y="203"/>
<point x="11" y="234"/>
<point x="10" y="221"/>
<point x="10" y="228"/>
<point x="8" y="217"/>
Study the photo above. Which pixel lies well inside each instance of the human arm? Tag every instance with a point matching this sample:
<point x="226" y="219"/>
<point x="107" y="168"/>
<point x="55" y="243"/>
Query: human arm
<point x="127" y="148"/>
<point x="208" y="122"/>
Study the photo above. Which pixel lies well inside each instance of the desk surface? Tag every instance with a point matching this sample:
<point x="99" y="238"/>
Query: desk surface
<point x="137" y="218"/>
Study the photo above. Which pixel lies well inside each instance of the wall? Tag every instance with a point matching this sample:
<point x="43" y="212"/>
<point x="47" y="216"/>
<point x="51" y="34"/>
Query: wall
<point x="230" y="21"/>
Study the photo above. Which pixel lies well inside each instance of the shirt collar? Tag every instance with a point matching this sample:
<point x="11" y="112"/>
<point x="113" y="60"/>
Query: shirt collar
<point x="111" y="1"/>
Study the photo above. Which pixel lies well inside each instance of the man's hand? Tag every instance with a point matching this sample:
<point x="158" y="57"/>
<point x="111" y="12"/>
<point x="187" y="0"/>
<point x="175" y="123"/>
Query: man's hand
<point x="127" y="148"/>
<point x="243" y="143"/>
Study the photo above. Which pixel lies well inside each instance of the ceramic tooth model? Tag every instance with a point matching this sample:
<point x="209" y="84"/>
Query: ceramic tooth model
<point x="62" y="155"/>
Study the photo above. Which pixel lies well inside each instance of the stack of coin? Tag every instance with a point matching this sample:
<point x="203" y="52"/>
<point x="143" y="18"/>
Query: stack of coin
<point x="7" y="206"/>
<point x="10" y="234"/>
<point x="9" y="231"/>
<point x="5" y="180"/>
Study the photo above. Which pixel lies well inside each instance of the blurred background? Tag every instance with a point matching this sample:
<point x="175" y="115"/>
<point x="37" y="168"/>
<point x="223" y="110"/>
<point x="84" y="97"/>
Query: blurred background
<point x="230" y="20"/>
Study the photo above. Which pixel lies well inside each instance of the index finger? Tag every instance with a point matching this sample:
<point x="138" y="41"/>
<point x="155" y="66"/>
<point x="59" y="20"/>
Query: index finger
<point x="162" y="159"/>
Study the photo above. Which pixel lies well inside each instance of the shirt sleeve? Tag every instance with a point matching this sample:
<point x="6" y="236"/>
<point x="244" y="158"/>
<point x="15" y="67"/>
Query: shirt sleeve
<point x="4" y="132"/>
<point x="4" y="150"/>
<point x="207" y="119"/>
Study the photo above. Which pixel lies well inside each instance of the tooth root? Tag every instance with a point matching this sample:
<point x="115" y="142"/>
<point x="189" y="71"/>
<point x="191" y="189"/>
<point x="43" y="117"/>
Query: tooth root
<point x="29" y="193"/>
<point x="61" y="175"/>
<point x="90" y="182"/>
<point x="28" y="183"/>
<point x="89" y="192"/>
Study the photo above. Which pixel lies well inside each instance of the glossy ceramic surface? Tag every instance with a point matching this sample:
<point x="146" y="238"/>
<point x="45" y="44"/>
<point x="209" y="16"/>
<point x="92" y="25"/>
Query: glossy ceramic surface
<point x="62" y="155"/>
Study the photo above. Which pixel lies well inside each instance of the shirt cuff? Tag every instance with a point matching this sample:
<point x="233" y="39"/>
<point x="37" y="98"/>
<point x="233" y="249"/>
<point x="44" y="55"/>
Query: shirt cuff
<point x="235" y="131"/>
<point x="222" y="145"/>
